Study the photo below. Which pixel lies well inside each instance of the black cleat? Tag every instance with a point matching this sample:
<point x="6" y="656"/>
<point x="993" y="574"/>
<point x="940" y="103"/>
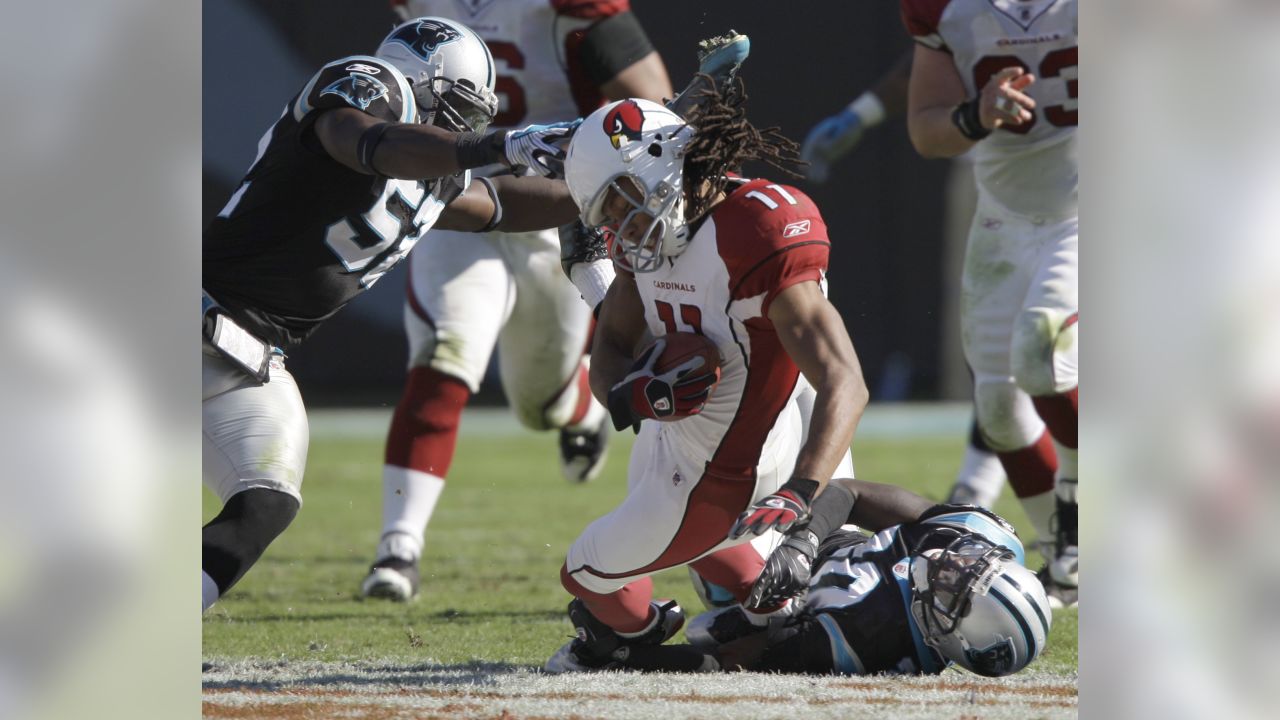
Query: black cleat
<point x="391" y="578"/>
<point x="582" y="452"/>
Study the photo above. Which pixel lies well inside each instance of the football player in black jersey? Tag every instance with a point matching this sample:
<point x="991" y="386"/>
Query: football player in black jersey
<point x="936" y="585"/>
<point x="372" y="152"/>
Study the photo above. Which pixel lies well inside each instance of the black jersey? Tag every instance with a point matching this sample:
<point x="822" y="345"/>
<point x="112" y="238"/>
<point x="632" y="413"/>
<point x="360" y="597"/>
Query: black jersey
<point x="856" y="618"/>
<point x="304" y="234"/>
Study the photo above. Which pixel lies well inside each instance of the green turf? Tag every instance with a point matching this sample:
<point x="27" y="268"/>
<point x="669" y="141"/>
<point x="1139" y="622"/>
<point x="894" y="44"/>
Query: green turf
<point x="491" y="587"/>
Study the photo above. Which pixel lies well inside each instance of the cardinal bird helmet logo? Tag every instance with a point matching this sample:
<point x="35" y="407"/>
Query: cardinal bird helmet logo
<point x="624" y="121"/>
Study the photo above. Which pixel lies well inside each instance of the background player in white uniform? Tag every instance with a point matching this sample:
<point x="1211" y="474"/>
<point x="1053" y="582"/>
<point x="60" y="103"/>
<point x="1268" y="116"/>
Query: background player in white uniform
<point x="742" y="263"/>
<point x="1003" y="74"/>
<point x="981" y="477"/>
<point x="366" y="157"/>
<point x="556" y="59"/>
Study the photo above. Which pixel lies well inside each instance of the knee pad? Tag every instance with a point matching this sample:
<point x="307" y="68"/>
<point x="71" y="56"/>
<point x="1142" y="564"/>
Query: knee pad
<point x="1045" y="351"/>
<point x="235" y="539"/>
<point x="446" y="352"/>
<point x="1006" y="416"/>
<point x="562" y="409"/>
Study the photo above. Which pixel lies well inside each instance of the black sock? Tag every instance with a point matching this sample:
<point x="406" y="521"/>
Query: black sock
<point x="237" y="537"/>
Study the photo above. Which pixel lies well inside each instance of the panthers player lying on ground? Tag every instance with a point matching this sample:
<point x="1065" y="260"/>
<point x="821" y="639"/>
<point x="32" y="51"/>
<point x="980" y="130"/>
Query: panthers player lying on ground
<point x="370" y="154"/>
<point x="938" y="584"/>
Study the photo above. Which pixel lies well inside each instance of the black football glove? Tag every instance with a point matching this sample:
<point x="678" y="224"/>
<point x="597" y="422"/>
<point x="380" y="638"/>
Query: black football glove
<point x="580" y="244"/>
<point x="786" y="571"/>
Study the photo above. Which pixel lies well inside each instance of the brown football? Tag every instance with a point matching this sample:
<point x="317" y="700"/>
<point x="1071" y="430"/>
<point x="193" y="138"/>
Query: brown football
<point x="684" y="345"/>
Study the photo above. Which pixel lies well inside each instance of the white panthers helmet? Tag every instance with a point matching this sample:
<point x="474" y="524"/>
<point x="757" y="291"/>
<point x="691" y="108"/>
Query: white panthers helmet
<point x="643" y="141"/>
<point x="450" y="69"/>
<point x="978" y="607"/>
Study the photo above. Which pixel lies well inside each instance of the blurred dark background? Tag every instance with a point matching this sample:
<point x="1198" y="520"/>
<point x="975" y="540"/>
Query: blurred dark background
<point x="891" y="267"/>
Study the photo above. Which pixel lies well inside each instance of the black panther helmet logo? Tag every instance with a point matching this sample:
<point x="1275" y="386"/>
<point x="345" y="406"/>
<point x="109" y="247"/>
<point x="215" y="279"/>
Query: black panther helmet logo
<point x="425" y="37"/>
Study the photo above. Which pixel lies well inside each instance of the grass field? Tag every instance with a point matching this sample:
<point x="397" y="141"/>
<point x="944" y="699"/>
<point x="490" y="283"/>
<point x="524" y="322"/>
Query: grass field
<point x="294" y="640"/>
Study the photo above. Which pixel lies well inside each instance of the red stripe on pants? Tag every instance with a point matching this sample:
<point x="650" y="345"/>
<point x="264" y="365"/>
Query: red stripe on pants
<point x="424" y="428"/>
<point x="1031" y="469"/>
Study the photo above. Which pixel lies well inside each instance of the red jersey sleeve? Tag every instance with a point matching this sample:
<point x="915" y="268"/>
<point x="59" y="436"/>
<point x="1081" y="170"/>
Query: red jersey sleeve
<point x="922" y="18"/>
<point x="590" y="9"/>
<point x="770" y="237"/>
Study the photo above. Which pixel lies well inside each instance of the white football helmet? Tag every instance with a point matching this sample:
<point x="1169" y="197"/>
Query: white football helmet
<point x="450" y="69"/>
<point x="643" y="141"/>
<point x="978" y="607"/>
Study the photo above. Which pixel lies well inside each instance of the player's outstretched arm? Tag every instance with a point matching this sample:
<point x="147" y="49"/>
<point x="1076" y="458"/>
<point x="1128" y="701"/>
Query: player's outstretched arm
<point x="877" y="506"/>
<point x="509" y="204"/>
<point x="837" y="135"/>
<point x="413" y="151"/>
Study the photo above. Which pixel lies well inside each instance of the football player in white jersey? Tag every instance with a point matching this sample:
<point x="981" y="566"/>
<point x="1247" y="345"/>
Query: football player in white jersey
<point x="1000" y="77"/>
<point x="741" y="262"/>
<point x="555" y="59"/>
<point x="371" y="152"/>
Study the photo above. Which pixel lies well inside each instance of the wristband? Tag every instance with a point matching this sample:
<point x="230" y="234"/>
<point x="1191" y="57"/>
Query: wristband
<point x="367" y="145"/>
<point x="830" y="511"/>
<point x="497" y="205"/>
<point x="593" y="280"/>
<point x="965" y="117"/>
<point x="869" y="108"/>
<point x="802" y="488"/>
<point x="474" y="150"/>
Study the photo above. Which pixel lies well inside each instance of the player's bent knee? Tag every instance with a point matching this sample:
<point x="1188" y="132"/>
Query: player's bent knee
<point x="1006" y="415"/>
<point x="535" y="417"/>
<point x="1045" y="351"/>
<point x="235" y="539"/>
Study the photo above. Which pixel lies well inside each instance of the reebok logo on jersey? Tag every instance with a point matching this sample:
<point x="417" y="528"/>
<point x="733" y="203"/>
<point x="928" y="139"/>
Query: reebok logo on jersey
<point x="361" y="67"/>
<point x="796" y="228"/>
<point x="676" y="479"/>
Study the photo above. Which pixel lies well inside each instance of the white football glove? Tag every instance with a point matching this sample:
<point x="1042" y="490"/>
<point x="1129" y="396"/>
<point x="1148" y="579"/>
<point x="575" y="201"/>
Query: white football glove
<point x="540" y="148"/>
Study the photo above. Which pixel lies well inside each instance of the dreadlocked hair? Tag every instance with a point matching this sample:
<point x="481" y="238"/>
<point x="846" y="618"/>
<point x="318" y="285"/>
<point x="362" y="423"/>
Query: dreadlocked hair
<point x="724" y="140"/>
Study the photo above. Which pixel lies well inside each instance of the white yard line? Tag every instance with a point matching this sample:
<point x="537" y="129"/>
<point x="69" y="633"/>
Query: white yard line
<point x="268" y="690"/>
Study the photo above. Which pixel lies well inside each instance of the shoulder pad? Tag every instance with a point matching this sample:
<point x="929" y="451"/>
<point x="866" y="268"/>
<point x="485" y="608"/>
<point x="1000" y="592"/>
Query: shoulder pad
<point x="769" y="235"/>
<point x="779" y="214"/>
<point x="363" y="82"/>
<point x="921" y="18"/>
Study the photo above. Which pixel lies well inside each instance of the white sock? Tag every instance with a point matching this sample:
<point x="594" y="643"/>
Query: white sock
<point x="1040" y="508"/>
<point x="408" y="499"/>
<point x="982" y="472"/>
<point x="208" y="591"/>
<point x="1068" y="463"/>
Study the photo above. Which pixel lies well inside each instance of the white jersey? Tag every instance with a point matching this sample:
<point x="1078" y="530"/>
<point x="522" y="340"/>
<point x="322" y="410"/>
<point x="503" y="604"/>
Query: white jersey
<point x="1030" y="169"/>
<point x="759" y="241"/>
<point x="534" y="43"/>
